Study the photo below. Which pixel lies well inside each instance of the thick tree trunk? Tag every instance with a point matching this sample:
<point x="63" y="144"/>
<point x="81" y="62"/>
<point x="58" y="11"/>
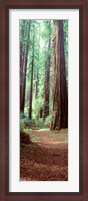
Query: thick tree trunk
<point x="56" y="114"/>
<point x="31" y="84"/>
<point x="47" y="81"/>
<point x="59" y="88"/>
<point x="63" y="87"/>
<point x="23" y="68"/>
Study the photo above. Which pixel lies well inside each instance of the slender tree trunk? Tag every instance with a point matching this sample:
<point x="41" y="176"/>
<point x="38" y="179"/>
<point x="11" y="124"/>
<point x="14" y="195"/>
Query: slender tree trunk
<point x="59" y="88"/>
<point x="24" y="79"/>
<point x="31" y="84"/>
<point x="40" y="112"/>
<point x="37" y="70"/>
<point x="37" y="77"/>
<point x="47" y="81"/>
<point x="35" y="93"/>
<point x="23" y="70"/>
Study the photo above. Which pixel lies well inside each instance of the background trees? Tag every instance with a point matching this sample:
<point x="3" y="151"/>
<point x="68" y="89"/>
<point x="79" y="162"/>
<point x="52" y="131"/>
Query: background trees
<point x="44" y="72"/>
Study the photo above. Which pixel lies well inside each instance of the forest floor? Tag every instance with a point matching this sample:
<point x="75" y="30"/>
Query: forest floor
<point x="46" y="157"/>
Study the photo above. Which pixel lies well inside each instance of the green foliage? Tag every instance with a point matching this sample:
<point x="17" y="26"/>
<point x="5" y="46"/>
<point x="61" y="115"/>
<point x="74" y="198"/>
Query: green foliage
<point x="24" y="122"/>
<point x="66" y="46"/>
<point x="24" y="31"/>
<point x="24" y="119"/>
<point x="48" y="120"/>
<point x="36" y="107"/>
<point x="39" y="122"/>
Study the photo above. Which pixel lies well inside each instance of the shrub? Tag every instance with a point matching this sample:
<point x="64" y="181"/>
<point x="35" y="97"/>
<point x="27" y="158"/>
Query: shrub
<point x="24" y="121"/>
<point x="48" y="120"/>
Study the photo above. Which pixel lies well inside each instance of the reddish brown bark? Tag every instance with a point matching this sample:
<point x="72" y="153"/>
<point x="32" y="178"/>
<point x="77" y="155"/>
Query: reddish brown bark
<point x="56" y="113"/>
<point x="23" y="67"/>
<point x="63" y="86"/>
<point x="21" y="63"/>
<point x="59" y="88"/>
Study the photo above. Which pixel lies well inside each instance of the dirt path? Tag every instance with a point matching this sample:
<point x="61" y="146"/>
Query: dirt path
<point x="46" y="159"/>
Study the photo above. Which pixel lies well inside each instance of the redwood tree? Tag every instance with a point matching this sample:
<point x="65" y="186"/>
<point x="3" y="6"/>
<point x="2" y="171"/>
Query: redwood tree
<point x="24" y="45"/>
<point x="63" y="86"/>
<point x="47" y="75"/>
<point x="59" y="88"/>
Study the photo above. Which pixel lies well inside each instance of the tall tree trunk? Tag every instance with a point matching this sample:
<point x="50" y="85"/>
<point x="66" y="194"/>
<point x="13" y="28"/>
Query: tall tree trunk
<point x="36" y="81"/>
<point x="31" y="84"/>
<point x="56" y="113"/>
<point x="63" y="86"/>
<point x="36" y="85"/>
<point x="37" y="69"/>
<point x="24" y="68"/>
<point x="59" y="88"/>
<point x="22" y="33"/>
<point x="47" y="81"/>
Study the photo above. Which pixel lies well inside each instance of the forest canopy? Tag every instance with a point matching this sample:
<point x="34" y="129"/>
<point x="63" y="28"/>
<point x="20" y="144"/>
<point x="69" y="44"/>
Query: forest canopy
<point x="44" y="73"/>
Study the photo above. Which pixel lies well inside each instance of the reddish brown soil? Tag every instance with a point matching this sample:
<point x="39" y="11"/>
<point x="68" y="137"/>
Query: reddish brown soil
<point x="46" y="158"/>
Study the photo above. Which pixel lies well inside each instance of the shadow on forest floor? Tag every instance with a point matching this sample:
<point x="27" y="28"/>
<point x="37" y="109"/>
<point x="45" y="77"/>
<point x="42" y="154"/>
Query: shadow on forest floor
<point x="46" y="158"/>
